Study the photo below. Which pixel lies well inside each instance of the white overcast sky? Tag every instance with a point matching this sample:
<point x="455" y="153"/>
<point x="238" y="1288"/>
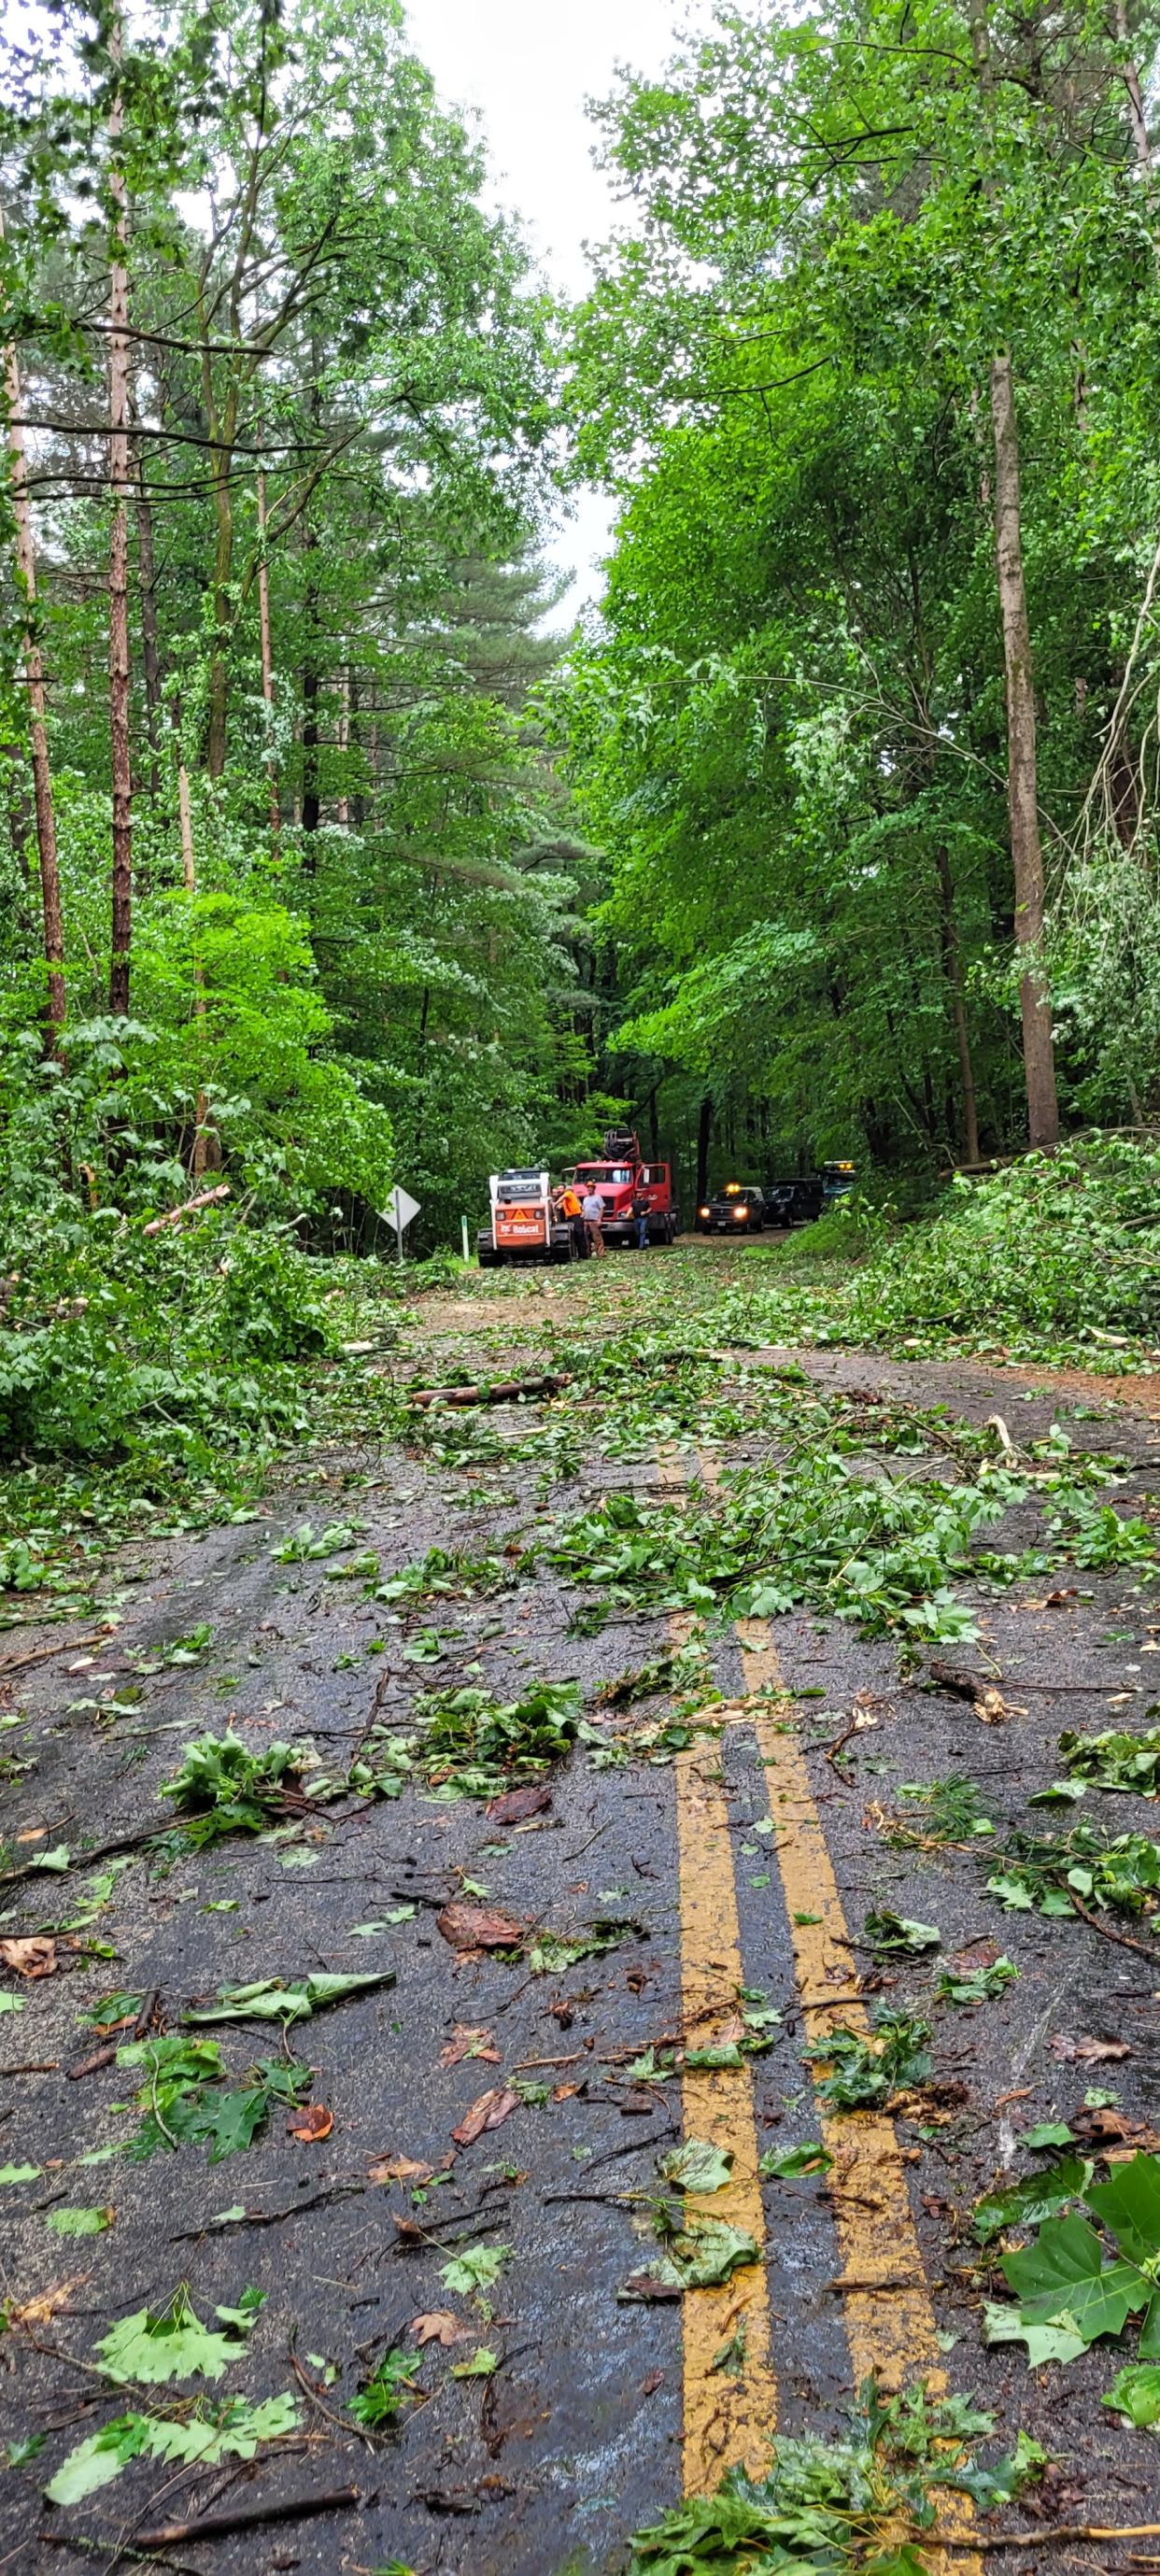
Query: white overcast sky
<point x="528" y="66"/>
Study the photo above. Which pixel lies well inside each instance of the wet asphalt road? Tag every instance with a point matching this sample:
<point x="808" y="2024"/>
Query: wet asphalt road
<point x="546" y="2465"/>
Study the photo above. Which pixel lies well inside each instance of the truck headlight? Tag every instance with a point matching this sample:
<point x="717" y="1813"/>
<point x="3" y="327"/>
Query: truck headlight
<point x="702" y="1211"/>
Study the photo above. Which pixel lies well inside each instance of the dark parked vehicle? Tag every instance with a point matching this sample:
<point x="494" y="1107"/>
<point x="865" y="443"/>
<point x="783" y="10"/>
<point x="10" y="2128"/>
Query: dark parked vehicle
<point x="736" y="1210"/>
<point x="799" y="1202"/>
<point x="794" y="1202"/>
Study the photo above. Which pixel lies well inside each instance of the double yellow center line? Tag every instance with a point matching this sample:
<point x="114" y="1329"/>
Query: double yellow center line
<point x="730" y="2415"/>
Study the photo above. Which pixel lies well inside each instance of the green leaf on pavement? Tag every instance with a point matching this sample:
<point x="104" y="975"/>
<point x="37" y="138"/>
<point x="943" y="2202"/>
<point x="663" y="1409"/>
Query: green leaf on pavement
<point x="150" y="2349"/>
<point x="477" y="2268"/>
<point x="888" y="1932"/>
<point x="980" y="1986"/>
<point x="705" y="2252"/>
<point x="480" y="2366"/>
<point x="784" y="2163"/>
<point x="272" y="1999"/>
<point x="79" y="2222"/>
<point x="696" y="2166"/>
<point x="199" y="2441"/>
<point x="1044" y="2343"/>
<point x="1135" y="2393"/>
<point x="1116" y="1761"/>
<point x="1039" y="2196"/>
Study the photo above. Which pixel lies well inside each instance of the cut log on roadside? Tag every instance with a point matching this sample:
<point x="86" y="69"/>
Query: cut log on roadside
<point x="500" y="1391"/>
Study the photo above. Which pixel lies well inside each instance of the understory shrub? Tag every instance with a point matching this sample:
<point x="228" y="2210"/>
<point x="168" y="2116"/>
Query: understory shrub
<point x="1055" y="1246"/>
<point x="114" y="1342"/>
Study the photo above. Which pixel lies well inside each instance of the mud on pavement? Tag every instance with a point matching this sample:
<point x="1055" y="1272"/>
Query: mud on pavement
<point x="435" y="2306"/>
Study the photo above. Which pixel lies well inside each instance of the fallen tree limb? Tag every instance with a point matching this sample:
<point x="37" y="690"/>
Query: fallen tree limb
<point x="245" y="2517"/>
<point x="116" y="2549"/>
<point x="85" y="1859"/>
<point x="983" y="1695"/>
<point x="271" y="2217"/>
<point x="1147" y="1949"/>
<point x="1057" y="2531"/>
<point x="173" y="1216"/>
<point x="497" y="1391"/>
<point x="44" y="1654"/>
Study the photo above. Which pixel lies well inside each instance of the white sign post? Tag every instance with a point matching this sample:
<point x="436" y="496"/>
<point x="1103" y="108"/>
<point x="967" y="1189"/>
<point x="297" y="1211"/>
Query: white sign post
<point x="400" y="1211"/>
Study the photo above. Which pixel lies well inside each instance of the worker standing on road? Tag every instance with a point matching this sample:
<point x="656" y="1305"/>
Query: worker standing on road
<point x="640" y="1212"/>
<point x="573" y="1214"/>
<point x="592" y="1210"/>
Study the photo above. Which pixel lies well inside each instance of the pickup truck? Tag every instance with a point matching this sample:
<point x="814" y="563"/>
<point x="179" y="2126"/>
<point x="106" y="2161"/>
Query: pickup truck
<point x="737" y="1209"/>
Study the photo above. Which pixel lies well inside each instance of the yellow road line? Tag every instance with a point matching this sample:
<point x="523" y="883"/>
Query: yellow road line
<point x="728" y="2417"/>
<point x="889" y="2320"/>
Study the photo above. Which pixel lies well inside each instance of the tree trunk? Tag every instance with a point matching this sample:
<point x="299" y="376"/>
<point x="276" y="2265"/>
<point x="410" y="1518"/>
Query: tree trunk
<point x="225" y="431"/>
<point x="1022" y="764"/>
<point x="207" y="1153"/>
<point x="25" y="551"/>
<point x="150" y="637"/>
<point x="119" y="480"/>
<point x="342" y="802"/>
<point x="267" y="655"/>
<point x="311" y="680"/>
<point x="953" y="970"/>
<point x="1022" y="760"/>
<point x="358" y="802"/>
<point x="704" y="1130"/>
<point x="19" y="809"/>
<point x="311" y="798"/>
<point x="1131" y="80"/>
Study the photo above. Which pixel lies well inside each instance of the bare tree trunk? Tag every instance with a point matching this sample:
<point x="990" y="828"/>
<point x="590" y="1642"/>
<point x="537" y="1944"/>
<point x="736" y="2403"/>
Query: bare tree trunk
<point x="207" y="1153"/>
<point x="184" y="816"/>
<point x="342" y="806"/>
<point x="311" y="797"/>
<point x="704" y="1129"/>
<point x="1131" y="80"/>
<point x="25" y="551"/>
<point x="150" y="636"/>
<point x="119" y="480"/>
<point x="219" y="676"/>
<point x="1022" y="763"/>
<point x="1022" y="758"/>
<point x="267" y="654"/>
<point x="311" y="675"/>
<point x="19" y="809"/>
<point x="953" y="970"/>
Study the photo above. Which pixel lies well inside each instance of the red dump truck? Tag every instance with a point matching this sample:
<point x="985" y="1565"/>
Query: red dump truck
<point x="624" y="1181"/>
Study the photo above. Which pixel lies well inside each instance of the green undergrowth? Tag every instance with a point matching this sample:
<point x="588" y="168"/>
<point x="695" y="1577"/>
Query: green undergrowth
<point x="224" y="1788"/>
<point x="165" y="1348"/>
<point x="148" y="1383"/>
<point x="1078" y="2283"/>
<point x="884" y="1550"/>
<point x="1053" y="1258"/>
<point x="860" y="2502"/>
<point x="478" y="1745"/>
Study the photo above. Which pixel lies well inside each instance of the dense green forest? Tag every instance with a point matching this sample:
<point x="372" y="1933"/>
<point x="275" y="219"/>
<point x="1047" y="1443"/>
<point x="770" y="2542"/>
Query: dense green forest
<point x="330" y="861"/>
